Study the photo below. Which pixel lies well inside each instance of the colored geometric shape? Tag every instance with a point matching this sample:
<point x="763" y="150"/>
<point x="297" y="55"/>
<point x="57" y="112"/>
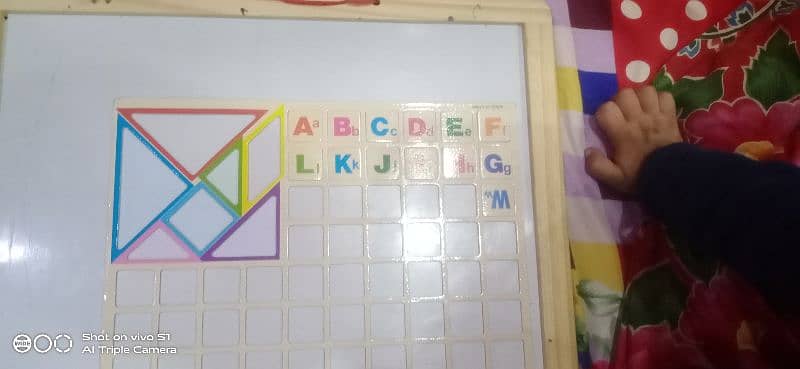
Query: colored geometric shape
<point x="596" y="88"/>
<point x="200" y="218"/>
<point x="192" y="138"/>
<point x="223" y="176"/>
<point x="262" y="158"/>
<point x="255" y="237"/>
<point x="157" y="244"/>
<point x="145" y="185"/>
<point x="569" y="89"/>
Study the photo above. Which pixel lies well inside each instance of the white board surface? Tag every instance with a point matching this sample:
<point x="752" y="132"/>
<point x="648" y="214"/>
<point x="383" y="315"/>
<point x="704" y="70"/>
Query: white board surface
<point x="61" y="75"/>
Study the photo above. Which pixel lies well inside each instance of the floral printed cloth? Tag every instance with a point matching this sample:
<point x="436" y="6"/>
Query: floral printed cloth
<point x="734" y="69"/>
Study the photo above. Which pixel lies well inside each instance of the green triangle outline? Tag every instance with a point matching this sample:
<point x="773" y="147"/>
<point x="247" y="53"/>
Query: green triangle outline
<point x="204" y="176"/>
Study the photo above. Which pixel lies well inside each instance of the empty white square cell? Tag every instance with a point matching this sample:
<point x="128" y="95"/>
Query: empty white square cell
<point x="461" y="239"/>
<point x="305" y="282"/>
<point x="307" y="359"/>
<point x="221" y="327"/>
<point x="133" y="323"/>
<point x="458" y="201"/>
<point x="347" y="322"/>
<point x="221" y="285"/>
<point x="423" y="239"/>
<point x="346" y="241"/>
<point x="181" y="325"/>
<point x="346" y="281"/>
<point x="345" y="202"/>
<point x="507" y="355"/>
<point x="427" y="319"/>
<point x="463" y="278"/>
<point x="388" y="357"/>
<point x="305" y="202"/>
<point x="178" y="287"/>
<point x="220" y="360"/>
<point x="348" y="358"/>
<point x="264" y="284"/>
<point x="263" y="360"/>
<point x="466" y="319"/>
<point x="305" y="324"/>
<point x="505" y="317"/>
<point x="263" y="326"/>
<point x="425" y="279"/>
<point x="383" y="202"/>
<point x="386" y="280"/>
<point x="468" y="355"/>
<point x="429" y="356"/>
<point x="385" y="240"/>
<point x="502" y="277"/>
<point x="176" y="362"/>
<point x="388" y="321"/>
<point x="135" y="287"/>
<point x="422" y="201"/>
<point x="131" y="362"/>
<point x="305" y="242"/>
<point x="499" y="239"/>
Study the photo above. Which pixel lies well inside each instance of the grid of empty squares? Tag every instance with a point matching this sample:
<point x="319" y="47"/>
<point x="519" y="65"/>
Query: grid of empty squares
<point x="384" y="273"/>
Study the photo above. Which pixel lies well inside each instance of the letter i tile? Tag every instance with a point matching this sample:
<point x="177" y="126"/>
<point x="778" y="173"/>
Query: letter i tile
<point x="383" y="162"/>
<point x="305" y="163"/>
<point x="421" y="163"/>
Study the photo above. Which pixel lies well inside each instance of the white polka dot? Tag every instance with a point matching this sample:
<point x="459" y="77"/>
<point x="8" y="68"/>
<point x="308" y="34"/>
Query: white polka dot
<point x="669" y="38"/>
<point x="695" y="10"/>
<point x="630" y="9"/>
<point x="637" y="71"/>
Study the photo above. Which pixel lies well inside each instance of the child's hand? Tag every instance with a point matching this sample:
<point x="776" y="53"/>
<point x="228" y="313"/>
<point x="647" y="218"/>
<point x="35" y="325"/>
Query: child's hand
<point x="636" y="123"/>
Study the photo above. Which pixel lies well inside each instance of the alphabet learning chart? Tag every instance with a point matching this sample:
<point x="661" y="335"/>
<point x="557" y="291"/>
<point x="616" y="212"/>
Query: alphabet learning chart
<point x="318" y="236"/>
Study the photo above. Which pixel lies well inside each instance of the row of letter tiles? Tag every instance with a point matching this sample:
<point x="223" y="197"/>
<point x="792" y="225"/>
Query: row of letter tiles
<point x="394" y="126"/>
<point x="419" y="201"/>
<point x="380" y="281"/>
<point x="462" y="354"/>
<point x="385" y="162"/>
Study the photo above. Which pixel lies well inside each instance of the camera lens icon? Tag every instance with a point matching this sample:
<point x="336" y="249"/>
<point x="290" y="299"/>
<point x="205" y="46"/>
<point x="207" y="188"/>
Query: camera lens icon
<point x="42" y="343"/>
<point x="22" y="343"/>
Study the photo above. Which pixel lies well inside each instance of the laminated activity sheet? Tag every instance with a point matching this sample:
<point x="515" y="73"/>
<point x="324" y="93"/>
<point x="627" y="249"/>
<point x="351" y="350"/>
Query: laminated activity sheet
<point x="304" y="235"/>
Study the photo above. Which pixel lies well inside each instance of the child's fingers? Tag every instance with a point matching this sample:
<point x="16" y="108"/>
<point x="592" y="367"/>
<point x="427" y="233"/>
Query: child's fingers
<point x="628" y="102"/>
<point x="610" y="119"/>
<point x="604" y="170"/>
<point x="648" y="98"/>
<point x="667" y="103"/>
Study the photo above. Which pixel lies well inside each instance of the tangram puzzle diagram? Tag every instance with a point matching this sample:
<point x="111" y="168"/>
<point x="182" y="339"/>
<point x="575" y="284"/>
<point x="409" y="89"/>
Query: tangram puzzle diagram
<point x="197" y="184"/>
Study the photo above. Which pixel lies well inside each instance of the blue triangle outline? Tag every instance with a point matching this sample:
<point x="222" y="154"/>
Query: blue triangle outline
<point x="122" y="125"/>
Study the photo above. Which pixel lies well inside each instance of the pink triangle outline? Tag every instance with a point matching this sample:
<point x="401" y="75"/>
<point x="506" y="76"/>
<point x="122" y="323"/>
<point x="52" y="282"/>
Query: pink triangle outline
<point x="191" y="256"/>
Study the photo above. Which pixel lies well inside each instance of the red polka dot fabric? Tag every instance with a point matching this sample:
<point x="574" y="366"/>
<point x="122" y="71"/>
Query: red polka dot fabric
<point x="648" y="32"/>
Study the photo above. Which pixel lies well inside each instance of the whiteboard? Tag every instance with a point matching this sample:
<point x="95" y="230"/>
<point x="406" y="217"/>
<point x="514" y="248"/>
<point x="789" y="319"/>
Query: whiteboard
<point x="61" y="75"/>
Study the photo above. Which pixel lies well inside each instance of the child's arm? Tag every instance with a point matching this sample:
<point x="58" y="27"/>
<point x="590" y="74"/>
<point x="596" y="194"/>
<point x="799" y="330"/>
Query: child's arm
<point x="747" y="213"/>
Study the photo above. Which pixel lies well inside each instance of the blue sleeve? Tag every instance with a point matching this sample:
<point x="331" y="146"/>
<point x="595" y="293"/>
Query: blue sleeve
<point x="743" y="212"/>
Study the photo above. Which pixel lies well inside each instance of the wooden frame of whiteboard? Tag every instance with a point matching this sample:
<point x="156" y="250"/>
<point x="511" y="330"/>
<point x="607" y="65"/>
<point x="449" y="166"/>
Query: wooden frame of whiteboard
<point x="555" y="280"/>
